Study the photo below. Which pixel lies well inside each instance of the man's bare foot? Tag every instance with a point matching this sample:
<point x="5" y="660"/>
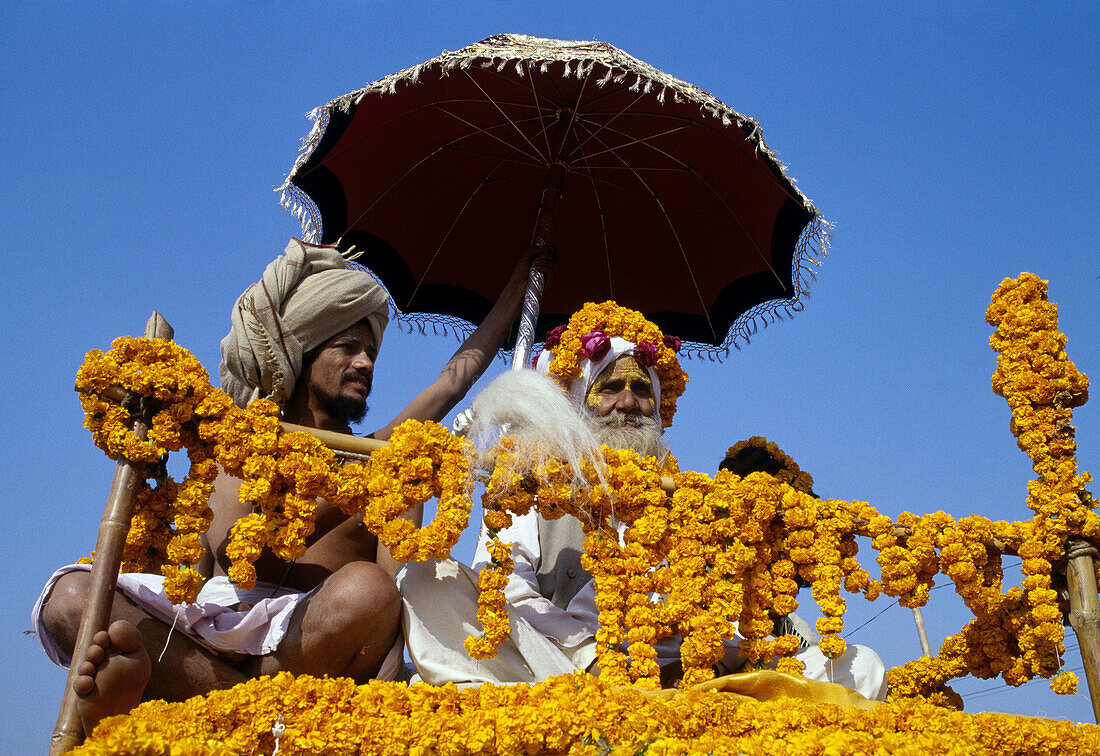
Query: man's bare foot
<point x="112" y="677"/>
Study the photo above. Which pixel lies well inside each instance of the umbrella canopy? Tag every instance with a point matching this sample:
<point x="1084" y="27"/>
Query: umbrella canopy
<point x="670" y="201"/>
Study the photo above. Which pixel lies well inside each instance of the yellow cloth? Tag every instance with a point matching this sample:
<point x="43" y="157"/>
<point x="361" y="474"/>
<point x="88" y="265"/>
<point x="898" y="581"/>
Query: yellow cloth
<point x="306" y="296"/>
<point x="769" y="685"/>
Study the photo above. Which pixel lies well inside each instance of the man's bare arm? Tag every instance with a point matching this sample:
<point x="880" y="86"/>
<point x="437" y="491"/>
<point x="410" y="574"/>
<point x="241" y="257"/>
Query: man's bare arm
<point x="475" y="354"/>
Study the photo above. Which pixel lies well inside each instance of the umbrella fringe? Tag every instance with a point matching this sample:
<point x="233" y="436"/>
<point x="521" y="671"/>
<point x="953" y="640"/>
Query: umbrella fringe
<point x="813" y="245"/>
<point x="300" y="204"/>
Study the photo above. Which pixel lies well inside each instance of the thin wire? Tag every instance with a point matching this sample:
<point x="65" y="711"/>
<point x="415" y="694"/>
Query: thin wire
<point x="603" y="237"/>
<point x="416" y="165"/>
<point x="538" y="107"/>
<point x="1002" y="686"/>
<point x="573" y="115"/>
<point x="515" y="147"/>
<point x="850" y="633"/>
<point x="434" y="104"/>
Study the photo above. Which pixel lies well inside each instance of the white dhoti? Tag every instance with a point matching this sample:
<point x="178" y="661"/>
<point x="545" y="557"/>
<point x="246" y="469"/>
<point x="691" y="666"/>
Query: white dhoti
<point x="439" y="611"/>
<point x="211" y="621"/>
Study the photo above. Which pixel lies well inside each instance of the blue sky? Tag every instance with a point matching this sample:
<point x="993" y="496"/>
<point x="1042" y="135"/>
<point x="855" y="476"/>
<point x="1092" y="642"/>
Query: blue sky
<point x="950" y="143"/>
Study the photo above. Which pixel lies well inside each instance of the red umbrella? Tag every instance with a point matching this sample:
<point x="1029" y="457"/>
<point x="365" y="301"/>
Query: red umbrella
<point x="667" y="200"/>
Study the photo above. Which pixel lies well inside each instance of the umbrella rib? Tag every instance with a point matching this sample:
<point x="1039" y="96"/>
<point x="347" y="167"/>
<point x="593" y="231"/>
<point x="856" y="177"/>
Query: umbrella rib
<point x="413" y="167"/>
<point x="763" y="258"/>
<point x="647" y="169"/>
<point x="643" y="141"/>
<point x="679" y="244"/>
<point x="500" y="110"/>
<point x="760" y="253"/>
<point x="454" y="222"/>
<point x="589" y="171"/>
<point x="491" y="156"/>
<point x="404" y="114"/>
<point x="608" y="123"/>
<point x="538" y="107"/>
<point x="603" y="233"/>
<point x="722" y="133"/>
<point x="573" y="114"/>
<point x="505" y="142"/>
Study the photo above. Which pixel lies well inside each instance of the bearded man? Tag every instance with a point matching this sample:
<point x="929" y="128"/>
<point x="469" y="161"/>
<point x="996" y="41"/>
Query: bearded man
<point x="306" y="336"/>
<point x="616" y="388"/>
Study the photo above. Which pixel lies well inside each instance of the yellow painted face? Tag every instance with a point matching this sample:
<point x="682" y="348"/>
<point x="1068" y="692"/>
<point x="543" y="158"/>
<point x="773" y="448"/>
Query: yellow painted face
<point x="623" y="385"/>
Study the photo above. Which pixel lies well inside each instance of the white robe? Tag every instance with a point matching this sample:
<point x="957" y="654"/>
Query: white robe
<point x="440" y="611"/>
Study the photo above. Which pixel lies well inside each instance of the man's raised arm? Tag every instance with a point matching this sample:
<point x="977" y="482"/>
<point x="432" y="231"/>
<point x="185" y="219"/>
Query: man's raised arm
<point x="475" y="354"/>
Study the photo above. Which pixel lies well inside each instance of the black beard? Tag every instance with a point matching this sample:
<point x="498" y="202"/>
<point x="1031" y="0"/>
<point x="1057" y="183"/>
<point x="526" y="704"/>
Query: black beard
<point x="349" y="409"/>
<point x="630" y="431"/>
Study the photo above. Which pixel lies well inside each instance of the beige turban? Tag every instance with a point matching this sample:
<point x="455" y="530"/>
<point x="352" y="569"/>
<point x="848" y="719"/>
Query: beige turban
<point x="305" y="297"/>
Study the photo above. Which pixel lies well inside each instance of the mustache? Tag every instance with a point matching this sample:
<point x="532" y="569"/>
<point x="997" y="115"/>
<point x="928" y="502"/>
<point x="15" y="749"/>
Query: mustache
<point x="354" y="376"/>
<point x="621" y="419"/>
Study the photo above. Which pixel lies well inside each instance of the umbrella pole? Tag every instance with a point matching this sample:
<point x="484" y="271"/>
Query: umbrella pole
<point x="69" y="732"/>
<point x="541" y="238"/>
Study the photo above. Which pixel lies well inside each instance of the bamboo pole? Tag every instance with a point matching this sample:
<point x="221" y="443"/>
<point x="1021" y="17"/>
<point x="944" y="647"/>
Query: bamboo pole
<point x="1084" y="613"/>
<point x="339" y="442"/>
<point x="918" y="618"/>
<point x="69" y="733"/>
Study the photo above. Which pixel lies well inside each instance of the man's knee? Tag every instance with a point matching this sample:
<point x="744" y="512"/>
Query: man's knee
<point x="362" y="592"/>
<point x="64" y="606"/>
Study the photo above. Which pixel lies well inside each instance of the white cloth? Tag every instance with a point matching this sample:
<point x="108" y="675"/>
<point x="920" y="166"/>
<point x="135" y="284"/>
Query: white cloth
<point x="590" y="370"/>
<point x="440" y="611"/>
<point x="210" y="621"/>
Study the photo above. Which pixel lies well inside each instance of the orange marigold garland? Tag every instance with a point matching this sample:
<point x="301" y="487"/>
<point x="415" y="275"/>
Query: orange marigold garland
<point x="574" y="714"/>
<point x="282" y="474"/>
<point x="722" y="550"/>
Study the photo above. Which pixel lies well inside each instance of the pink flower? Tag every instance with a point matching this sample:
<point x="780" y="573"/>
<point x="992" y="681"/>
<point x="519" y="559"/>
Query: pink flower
<point x="553" y="337"/>
<point x="595" y="344"/>
<point x="672" y="342"/>
<point x="646" y="354"/>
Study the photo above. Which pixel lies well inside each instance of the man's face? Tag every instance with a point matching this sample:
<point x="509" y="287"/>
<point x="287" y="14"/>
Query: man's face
<point x="623" y="386"/>
<point x="620" y="407"/>
<point x="340" y="372"/>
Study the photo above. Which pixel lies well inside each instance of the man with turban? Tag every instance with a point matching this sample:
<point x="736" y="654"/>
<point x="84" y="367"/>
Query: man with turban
<point x="306" y="336"/>
<point x="622" y="375"/>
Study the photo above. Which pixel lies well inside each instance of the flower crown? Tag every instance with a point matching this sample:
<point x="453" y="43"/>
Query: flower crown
<point x="588" y="335"/>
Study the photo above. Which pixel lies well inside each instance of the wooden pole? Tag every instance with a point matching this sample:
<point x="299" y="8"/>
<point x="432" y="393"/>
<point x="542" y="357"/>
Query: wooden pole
<point x="69" y="733"/>
<point x="1084" y="613"/>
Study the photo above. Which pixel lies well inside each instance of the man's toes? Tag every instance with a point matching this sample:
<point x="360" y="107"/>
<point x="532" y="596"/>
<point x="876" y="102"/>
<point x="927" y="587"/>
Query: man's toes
<point x="125" y="638"/>
<point x="87" y="668"/>
<point x="101" y="639"/>
<point x="95" y="654"/>
<point x="83" y="685"/>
